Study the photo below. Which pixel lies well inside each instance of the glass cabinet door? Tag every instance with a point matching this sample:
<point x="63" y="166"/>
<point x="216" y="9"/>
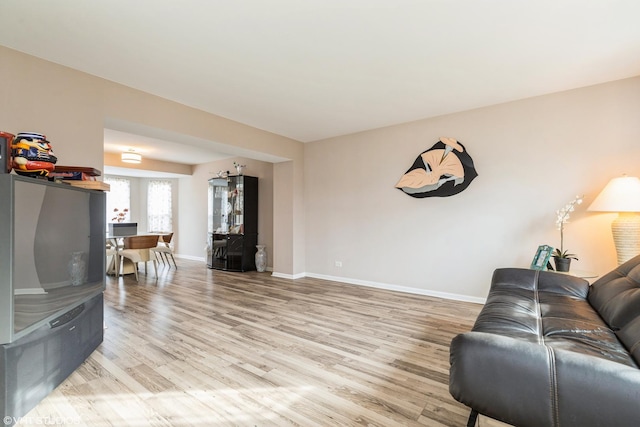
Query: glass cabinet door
<point x="226" y="205"/>
<point x="219" y="207"/>
<point x="236" y="203"/>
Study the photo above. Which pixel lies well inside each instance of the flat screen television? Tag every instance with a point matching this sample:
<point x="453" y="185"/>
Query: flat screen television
<point x="52" y="251"/>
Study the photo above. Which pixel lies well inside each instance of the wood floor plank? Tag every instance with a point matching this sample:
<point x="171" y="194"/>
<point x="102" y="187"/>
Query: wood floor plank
<point x="197" y="347"/>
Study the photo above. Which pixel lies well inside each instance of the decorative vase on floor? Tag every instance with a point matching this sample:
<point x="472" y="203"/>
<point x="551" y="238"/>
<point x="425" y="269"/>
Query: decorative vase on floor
<point x="261" y="259"/>
<point x="562" y="264"/>
<point x="77" y="269"/>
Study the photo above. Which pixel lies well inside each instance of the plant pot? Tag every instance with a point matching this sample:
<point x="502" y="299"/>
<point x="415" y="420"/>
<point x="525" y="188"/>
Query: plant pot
<point x="562" y="264"/>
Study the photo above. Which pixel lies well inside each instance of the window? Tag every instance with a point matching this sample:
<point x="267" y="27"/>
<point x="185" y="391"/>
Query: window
<point x="118" y="199"/>
<point x="159" y="216"/>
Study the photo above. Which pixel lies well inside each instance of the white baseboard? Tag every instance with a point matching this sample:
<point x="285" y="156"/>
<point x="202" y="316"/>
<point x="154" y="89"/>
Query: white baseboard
<point x="192" y="258"/>
<point x="405" y="289"/>
<point x="370" y="284"/>
<point x="288" y="276"/>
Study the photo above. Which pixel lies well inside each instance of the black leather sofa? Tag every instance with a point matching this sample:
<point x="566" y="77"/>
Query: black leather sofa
<point x="547" y="349"/>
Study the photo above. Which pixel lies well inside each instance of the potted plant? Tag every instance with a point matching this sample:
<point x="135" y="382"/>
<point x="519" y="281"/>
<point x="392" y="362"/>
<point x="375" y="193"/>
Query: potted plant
<point x="561" y="256"/>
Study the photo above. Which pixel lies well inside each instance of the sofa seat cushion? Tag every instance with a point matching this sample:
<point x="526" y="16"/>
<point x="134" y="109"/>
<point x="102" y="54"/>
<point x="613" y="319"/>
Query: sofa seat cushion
<point x="539" y="312"/>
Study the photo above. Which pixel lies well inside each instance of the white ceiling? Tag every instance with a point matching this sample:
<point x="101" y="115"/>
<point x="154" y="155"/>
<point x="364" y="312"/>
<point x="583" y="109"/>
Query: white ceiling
<point x="312" y="69"/>
<point x="154" y="148"/>
<point x="158" y="149"/>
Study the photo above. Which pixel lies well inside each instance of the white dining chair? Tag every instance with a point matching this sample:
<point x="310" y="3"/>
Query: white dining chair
<point x="114" y="261"/>
<point x="164" y="251"/>
<point x="138" y="249"/>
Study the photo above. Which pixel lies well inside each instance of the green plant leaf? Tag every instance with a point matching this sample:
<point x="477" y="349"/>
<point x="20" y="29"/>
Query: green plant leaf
<point x="564" y="254"/>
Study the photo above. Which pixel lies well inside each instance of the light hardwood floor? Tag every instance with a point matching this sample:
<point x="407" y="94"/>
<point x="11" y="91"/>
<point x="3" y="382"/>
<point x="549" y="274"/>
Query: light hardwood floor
<point x="200" y="347"/>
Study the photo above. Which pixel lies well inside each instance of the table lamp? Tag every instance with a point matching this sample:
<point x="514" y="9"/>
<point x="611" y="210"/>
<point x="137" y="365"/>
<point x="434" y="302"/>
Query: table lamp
<point x="622" y="195"/>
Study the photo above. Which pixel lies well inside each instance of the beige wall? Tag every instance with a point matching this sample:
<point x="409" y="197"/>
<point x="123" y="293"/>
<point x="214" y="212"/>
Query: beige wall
<point x="335" y="200"/>
<point x="190" y="197"/>
<point x="193" y="204"/>
<point x="65" y="105"/>
<point x="72" y="109"/>
<point x="532" y="157"/>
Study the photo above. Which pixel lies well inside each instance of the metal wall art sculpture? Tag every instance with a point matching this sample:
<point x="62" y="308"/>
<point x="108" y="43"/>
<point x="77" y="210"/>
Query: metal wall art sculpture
<point x="443" y="170"/>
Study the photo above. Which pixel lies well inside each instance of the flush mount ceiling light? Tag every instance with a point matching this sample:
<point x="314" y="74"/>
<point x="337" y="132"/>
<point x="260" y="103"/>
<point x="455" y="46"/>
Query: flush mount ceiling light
<point x="131" y="157"/>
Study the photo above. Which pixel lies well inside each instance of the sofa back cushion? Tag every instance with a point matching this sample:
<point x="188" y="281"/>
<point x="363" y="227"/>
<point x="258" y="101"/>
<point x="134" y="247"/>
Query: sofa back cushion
<point x="630" y="336"/>
<point x="616" y="297"/>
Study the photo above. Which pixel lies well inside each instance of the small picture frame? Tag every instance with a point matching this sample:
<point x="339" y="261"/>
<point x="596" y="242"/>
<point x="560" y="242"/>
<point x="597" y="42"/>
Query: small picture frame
<point x="541" y="259"/>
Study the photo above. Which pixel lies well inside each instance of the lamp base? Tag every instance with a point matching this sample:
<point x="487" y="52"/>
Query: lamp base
<point x="626" y="236"/>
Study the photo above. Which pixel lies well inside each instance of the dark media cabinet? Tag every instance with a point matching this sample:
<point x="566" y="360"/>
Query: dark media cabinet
<point x="37" y="363"/>
<point x="51" y="309"/>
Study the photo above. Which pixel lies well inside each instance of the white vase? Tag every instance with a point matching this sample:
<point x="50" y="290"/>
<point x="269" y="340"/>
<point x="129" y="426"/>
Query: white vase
<point x="261" y="258"/>
<point x="77" y="269"/>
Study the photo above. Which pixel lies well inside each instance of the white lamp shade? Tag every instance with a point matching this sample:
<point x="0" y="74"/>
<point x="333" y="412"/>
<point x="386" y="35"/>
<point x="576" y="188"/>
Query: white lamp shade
<point x="620" y="195"/>
<point x="131" y="157"/>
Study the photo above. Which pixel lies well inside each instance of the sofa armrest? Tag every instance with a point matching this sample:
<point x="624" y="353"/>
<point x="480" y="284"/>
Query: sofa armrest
<point x="501" y="377"/>
<point x="530" y="385"/>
